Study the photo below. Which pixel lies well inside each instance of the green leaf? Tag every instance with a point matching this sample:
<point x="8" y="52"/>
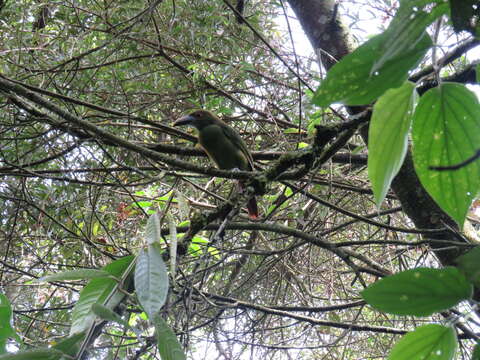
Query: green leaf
<point x="288" y="191"/>
<point x="70" y="344"/>
<point x="152" y="231"/>
<point x="165" y="197"/>
<point x="168" y="345"/>
<point x="388" y="137"/>
<point x="109" y="315"/>
<point x="185" y="223"/>
<point x="408" y="27"/>
<point x="463" y="12"/>
<point x="101" y="290"/>
<point x="194" y="248"/>
<point x="446" y="131"/>
<point x="293" y="131"/>
<point x="183" y="207"/>
<point x="151" y="280"/>
<point x="428" y="342"/>
<point x="469" y="263"/>
<point x="476" y="351"/>
<point x="173" y="243"/>
<point x="75" y="275"/>
<point x="37" y="354"/>
<point x="143" y="204"/>
<point x="95" y="228"/>
<point x="351" y="82"/>
<point x="419" y="292"/>
<point x="200" y="240"/>
<point x="6" y="329"/>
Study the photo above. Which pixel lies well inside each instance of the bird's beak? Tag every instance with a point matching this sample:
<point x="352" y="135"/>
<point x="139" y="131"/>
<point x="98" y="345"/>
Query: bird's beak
<point x="184" y="120"/>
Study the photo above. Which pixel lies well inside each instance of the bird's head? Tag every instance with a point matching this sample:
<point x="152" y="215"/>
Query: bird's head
<point x="198" y="119"/>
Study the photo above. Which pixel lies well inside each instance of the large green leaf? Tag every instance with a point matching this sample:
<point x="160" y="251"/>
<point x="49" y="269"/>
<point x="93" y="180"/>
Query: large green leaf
<point x="469" y="263"/>
<point x="152" y="230"/>
<point x="408" y="27"/>
<point x="446" y="131"/>
<point x="71" y="344"/>
<point x="173" y="243"/>
<point x="476" y="351"/>
<point x="108" y="314"/>
<point x="168" y="345"/>
<point x="418" y="292"/>
<point x="101" y="290"/>
<point x="464" y="13"/>
<point x="37" y="354"/>
<point x="75" y="275"/>
<point x="388" y="137"/>
<point x="428" y="342"/>
<point x="6" y="330"/>
<point x="351" y="80"/>
<point x="151" y="280"/>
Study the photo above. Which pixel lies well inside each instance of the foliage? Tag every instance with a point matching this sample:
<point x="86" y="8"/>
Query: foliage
<point x="444" y="123"/>
<point x="151" y="281"/>
<point x="6" y="329"/>
<point x="352" y="82"/>
<point x="419" y="292"/>
<point x="96" y="181"/>
<point x="397" y="106"/>
<point x="427" y="342"/>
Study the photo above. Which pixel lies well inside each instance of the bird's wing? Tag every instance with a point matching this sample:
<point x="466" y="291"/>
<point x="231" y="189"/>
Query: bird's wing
<point x="236" y="139"/>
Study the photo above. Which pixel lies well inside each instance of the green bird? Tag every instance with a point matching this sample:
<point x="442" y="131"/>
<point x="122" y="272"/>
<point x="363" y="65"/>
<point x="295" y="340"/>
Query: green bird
<point x="223" y="145"/>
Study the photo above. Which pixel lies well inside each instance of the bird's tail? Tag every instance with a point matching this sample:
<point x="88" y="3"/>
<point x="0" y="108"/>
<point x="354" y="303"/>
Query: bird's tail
<point x="252" y="207"/>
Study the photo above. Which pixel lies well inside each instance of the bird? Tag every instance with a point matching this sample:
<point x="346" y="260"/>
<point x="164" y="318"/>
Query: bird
<point x="223" y="145"/>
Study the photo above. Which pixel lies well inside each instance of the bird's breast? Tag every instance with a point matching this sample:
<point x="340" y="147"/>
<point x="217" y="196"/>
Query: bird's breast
<point x="221" y="149"/>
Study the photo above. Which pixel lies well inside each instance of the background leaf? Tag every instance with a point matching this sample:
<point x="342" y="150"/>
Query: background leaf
<point x="463" y="13"/>
<point x="37" y="354"/>
<point x="99" y="291"/>
<point x="108" y="314"/>
<point x="469" y="263"/>
<point x="6" y="330"/>
<point x="81" y="274"/>
<point x="70" y="345"/>
<point x="168" y="345"/>
<point x="476" y="352"/>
